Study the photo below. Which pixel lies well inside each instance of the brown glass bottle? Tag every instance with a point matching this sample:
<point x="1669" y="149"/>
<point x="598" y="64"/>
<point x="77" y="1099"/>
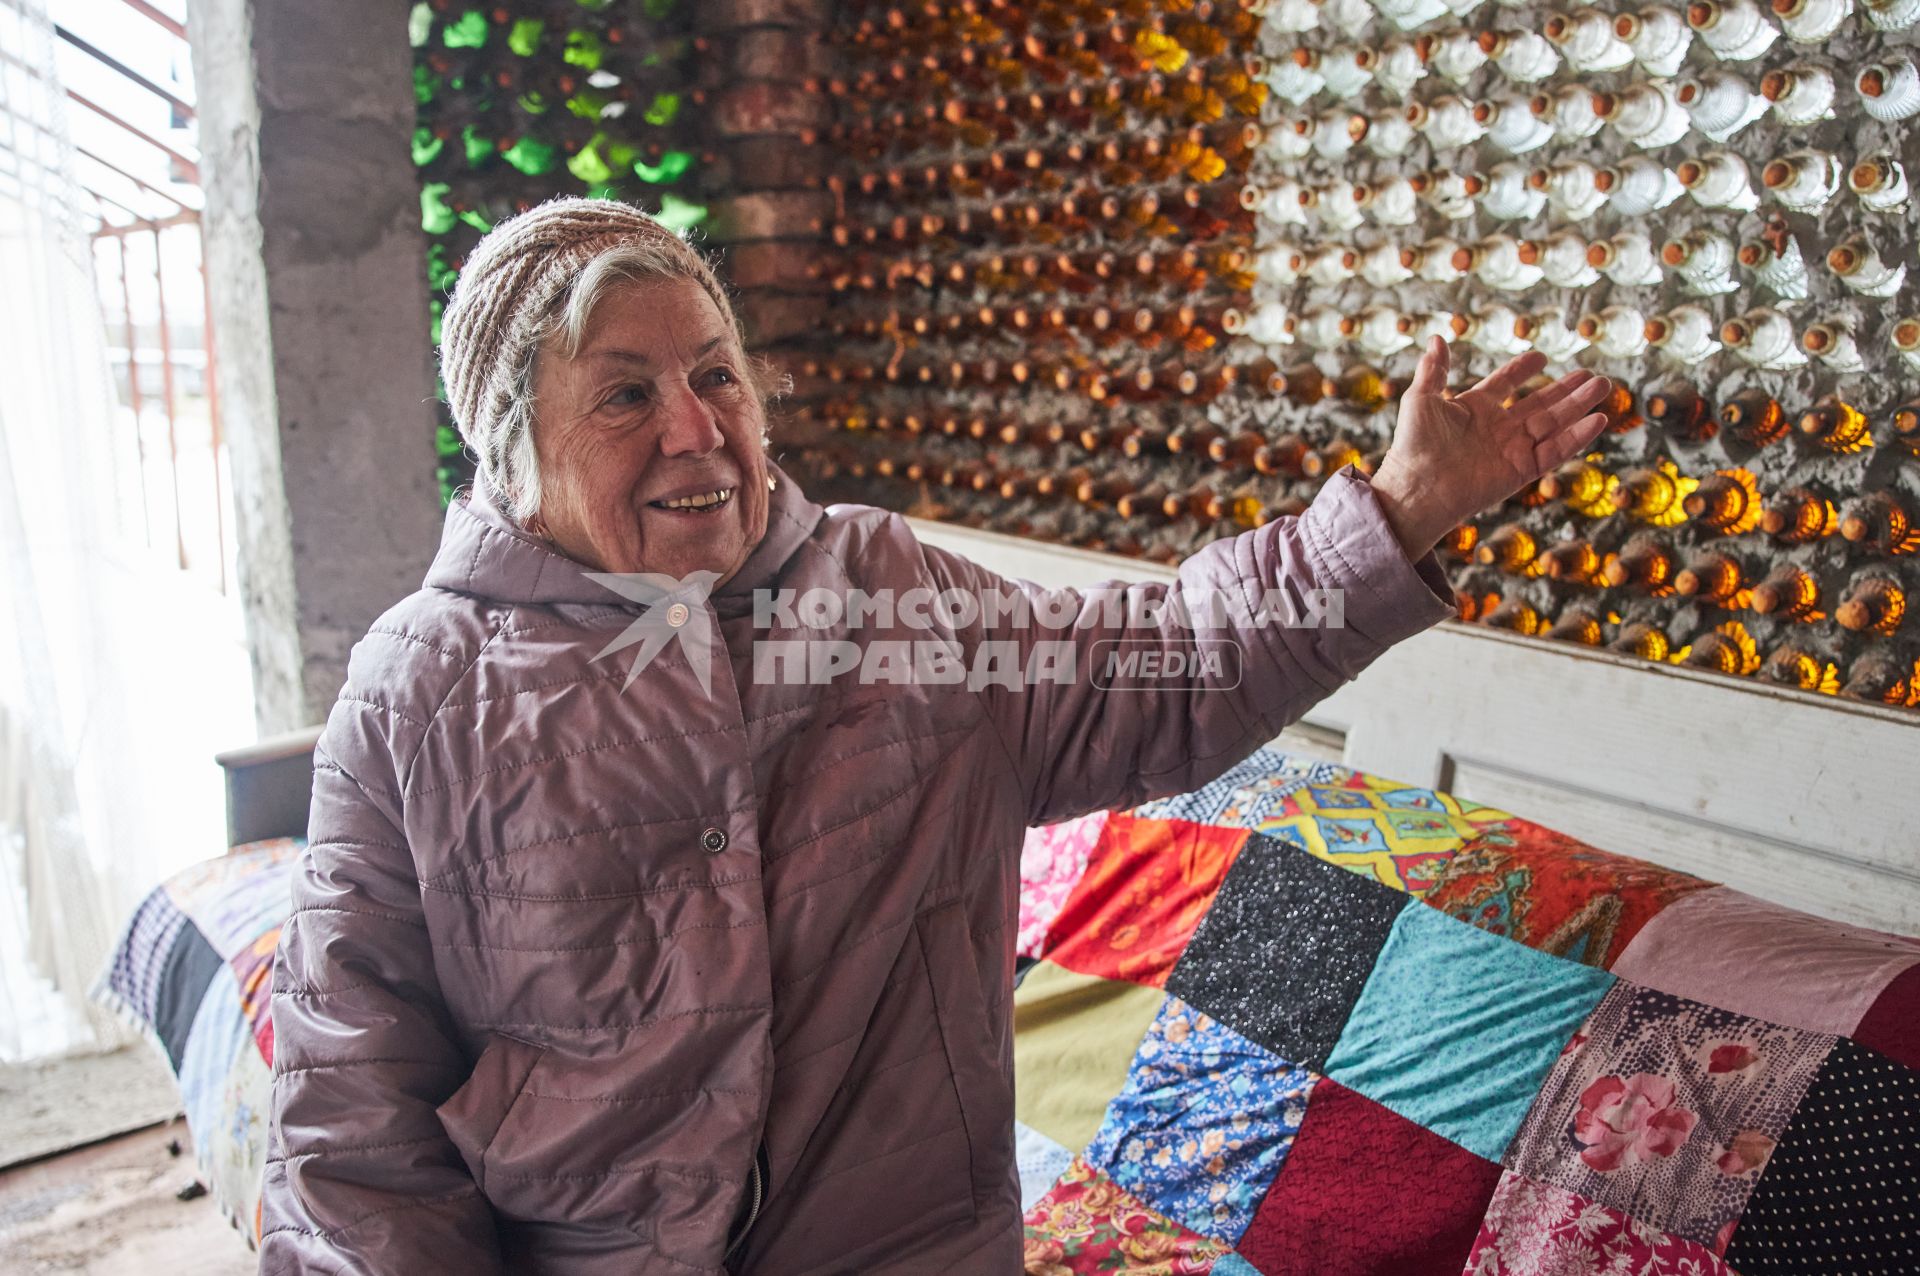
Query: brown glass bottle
<point x="1874" y="603"/>
<point x="1711" y="576"/>
<point x="1644" y="563"/>
<point x="1574" y="561"/>
<point x="1880" y="677"/>
<point x="1577" y="624"/>
<point x="1797" y="515"/>
<point x="1511" y="548"/>
<point x="1789" y="592"/>
<point x="1677" y="408"/>
<point x="1754" y="417"/>
<point x="1727" y="501"/>
<point x="1644" y="639"/>
<point x="1835" y="425"/>
<point x="1882" y="521"/>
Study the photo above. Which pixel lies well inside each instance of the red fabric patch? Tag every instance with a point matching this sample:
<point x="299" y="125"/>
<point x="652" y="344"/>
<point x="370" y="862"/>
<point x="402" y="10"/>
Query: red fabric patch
<point x="1364" y="1191"/>
<point x="1147" y="885"/>
<point x="1554" y="892"/>
<point x="1892" y="1026"/>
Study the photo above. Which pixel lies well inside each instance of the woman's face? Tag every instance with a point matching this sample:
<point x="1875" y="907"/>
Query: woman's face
<point x="656" y="408"/>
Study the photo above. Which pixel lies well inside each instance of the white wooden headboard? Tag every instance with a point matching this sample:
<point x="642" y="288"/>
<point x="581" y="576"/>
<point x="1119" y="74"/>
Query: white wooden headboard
<point x="1805" y="800"/>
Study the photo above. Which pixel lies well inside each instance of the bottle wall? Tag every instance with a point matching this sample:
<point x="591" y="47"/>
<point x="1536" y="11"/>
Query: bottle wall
<point x="1134" y="276"/>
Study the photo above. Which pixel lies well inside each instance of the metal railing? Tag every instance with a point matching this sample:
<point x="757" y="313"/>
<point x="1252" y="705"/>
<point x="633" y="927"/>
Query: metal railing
<point x="119" y="225"/>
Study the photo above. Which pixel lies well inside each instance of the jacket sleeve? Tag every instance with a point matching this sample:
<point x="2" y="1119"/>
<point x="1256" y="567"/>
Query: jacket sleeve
<point x="360" y="1174"/>
<point x="1079" y="748"/>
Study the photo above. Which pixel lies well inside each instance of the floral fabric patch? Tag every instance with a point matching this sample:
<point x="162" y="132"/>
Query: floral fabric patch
<point x="1668" y="1110"/>
<point x="1203" y="1123"/>
<point x="1088" y="1223"/>
<point x="1051" y="861"/>
<point x="1536" y="1229"/>
<point x="1555" y="893"/>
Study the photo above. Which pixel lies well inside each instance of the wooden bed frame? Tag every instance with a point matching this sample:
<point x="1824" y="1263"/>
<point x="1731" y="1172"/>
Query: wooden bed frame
<point x="269" y="786"/>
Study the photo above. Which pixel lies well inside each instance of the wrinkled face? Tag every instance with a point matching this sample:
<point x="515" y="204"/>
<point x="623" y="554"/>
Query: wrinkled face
<point x="637" y="434"/>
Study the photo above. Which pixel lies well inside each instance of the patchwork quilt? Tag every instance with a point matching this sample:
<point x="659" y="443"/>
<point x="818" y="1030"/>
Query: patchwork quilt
<point x="1306" y="1020"/>
<point x="194" y="969"/>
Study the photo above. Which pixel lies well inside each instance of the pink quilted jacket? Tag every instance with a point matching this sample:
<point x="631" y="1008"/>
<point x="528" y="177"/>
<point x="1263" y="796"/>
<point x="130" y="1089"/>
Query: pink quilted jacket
<point x="588" y="980"/>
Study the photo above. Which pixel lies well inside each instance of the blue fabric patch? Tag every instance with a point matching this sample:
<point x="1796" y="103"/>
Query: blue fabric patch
<point x="1244" y="797"/>
<point x="1203" y="1124"/>
<point x="1233" y="1265"/>
<point x="1457" y="1029"/>
<point x="1041" y="1160"/>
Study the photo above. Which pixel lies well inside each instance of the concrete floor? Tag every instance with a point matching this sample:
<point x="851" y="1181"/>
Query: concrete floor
<point x="111" y="1209"/>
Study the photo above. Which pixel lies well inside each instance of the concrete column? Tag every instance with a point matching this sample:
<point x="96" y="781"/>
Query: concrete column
<point x="317" y="265"/>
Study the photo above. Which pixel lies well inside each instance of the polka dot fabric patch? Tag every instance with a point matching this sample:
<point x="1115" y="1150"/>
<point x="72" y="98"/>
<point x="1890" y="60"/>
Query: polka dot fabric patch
<point x="1842" y="1192"/>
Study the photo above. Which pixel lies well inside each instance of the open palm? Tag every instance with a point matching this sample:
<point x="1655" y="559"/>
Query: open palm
<point x="1454" y="455"/>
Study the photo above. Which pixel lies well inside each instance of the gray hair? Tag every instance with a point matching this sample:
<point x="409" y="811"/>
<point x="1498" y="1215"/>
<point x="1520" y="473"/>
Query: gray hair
<point x="507" y="455"/>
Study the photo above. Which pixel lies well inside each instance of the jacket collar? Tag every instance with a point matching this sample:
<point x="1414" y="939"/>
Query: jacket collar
<point x="484" y="555"/>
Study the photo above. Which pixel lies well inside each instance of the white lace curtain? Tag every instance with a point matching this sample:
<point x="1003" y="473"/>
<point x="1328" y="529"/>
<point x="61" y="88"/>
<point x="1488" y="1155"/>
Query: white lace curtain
<point x="115" y="686"/>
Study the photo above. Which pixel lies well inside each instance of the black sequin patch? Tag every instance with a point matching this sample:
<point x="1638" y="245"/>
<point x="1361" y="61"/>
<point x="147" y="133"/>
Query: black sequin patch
<point x="1842" y="1191"/>
<point x="1283" y="953"/>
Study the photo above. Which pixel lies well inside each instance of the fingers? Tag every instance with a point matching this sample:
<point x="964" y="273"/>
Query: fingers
<point x="1430" y="377"/>
<point x="1571" y="440"/>
<point x="1541" y="401"/>
<point x="1507" y="378"/>
<point x="1577" y="401"/>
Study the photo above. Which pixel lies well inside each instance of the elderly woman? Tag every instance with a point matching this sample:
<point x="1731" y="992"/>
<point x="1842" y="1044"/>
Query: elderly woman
<point x="624" y="952"/>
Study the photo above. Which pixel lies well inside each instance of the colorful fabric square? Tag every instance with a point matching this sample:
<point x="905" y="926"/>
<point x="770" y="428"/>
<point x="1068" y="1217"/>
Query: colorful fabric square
<point x="1366" y="1191"/>
<point x="253" y="972"/>
<point x="188" y="968"/>
<point x="1728" y="949"/>
<point x="1088" y="1223"/>
<point x="1203" y="1124"/>
<point x="1236" y="798"/>
<point x="1286" y="949"/>
<point x="1073" y="1038"/>
<point x="132" y="978"/>
<point x="225" y="1090"/>
<point x="1040" y="1161"/>
<point x="1147" y="885"/>
<point x="1842" y="1191"/>
<point x="236" y="897"/>
<point x="1399" y="835"/>
<point x="1457" y="1028"/>
<point x="1667" y="1109"/>
<point x="1536" y="1229"/>
<point x="1555" y="893"/>
<point x="1233" y="1265"/>
<point x="1892" y="1026"/>
<point x="1051" y="862"/>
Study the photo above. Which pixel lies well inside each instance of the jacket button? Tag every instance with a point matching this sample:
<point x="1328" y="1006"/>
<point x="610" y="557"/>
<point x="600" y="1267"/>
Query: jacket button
<point x="715" y="840"/>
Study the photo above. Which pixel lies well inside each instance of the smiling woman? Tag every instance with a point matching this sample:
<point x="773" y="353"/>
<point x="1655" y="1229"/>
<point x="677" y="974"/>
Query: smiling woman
<point x="708" y="967"/>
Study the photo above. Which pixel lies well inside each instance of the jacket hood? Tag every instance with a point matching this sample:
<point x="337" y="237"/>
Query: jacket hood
<point x="484" y="555"/>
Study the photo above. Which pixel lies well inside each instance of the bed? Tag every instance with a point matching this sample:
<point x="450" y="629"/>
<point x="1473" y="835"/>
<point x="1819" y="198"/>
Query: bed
<point x="1309" y="1020"/>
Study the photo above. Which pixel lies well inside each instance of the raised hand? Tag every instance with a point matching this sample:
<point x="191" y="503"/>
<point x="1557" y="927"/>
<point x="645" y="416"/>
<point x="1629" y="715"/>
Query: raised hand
<point x="1454" y="455"/>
